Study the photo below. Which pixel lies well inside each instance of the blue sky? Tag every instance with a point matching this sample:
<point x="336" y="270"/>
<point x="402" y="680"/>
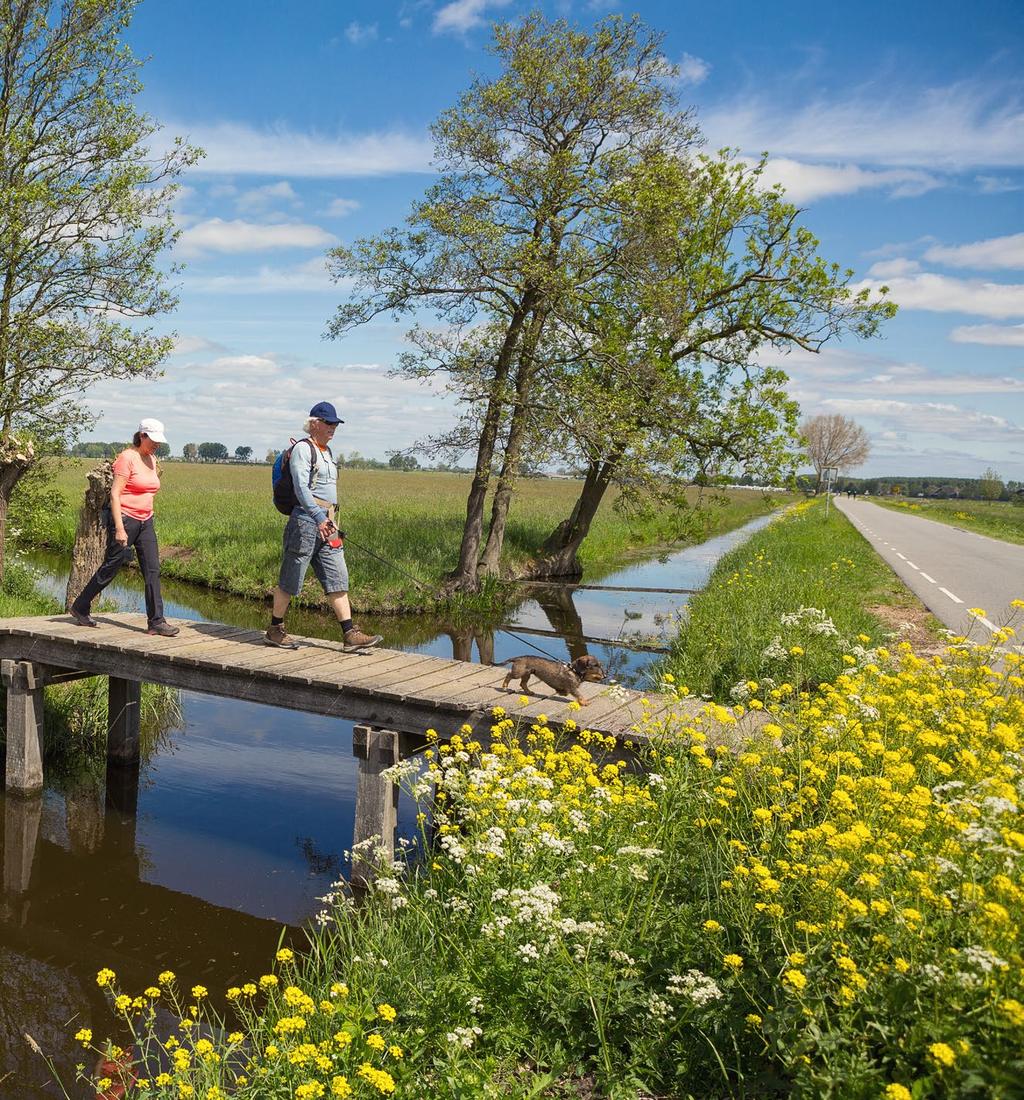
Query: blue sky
<point x="899" y="128"/>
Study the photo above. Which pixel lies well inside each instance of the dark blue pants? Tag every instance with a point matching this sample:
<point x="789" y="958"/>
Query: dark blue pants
<point x="142" y="536"/>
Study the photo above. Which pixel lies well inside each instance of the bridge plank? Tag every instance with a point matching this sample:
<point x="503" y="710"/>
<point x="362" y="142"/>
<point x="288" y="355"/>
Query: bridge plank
<point x="368" y="666"/>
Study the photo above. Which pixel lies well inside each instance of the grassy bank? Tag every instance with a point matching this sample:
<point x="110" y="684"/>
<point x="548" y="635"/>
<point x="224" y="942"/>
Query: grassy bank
<point x="997" y="518"/>
<point x="774" y="606"/>
<point x="833" y="912"/>
<point x="75" y="714"/>
<point x="218" y="527"/>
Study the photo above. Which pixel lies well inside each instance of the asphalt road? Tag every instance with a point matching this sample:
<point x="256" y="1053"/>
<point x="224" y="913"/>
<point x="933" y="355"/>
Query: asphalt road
<point x="949" y="569"/>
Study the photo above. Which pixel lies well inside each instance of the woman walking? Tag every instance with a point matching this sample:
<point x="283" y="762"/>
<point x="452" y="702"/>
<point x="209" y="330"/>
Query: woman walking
<point x="130" y="523"/>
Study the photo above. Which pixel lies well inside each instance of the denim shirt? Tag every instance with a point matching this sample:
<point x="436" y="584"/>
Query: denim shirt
<point x="325" y="484"/>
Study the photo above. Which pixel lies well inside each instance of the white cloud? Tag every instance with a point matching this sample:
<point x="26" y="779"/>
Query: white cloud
<point x="260" y="198"/>
<point x="848" y="373"/>
<point x="692" y="70"/>
<point x="999" y="252"/>
<point x="807" y="182"/>
<point x="361" y="33"/>
<point x="340" y="208"/>
<point x="944" y="294"/>
<point x="460" y="16"/>
<point x="1003" y="336"/>
<point x="962" y="125"/>
<point x="308" y="277"/>
<point x="237" y="149"/>
<point x="192" y="345"/>
<point x="243" y="364"/>
<point x="890" y="269"/>
<point x="218" y="235"/>
<point x="928" y="417"/>
<point x="996" y="185"/>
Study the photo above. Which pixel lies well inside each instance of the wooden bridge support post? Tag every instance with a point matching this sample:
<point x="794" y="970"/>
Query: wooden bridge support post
<point x="21" y="831"/>
<point x="124" y="698"/>
<point x="373" y="834"/>
<point x="24" y="727"/>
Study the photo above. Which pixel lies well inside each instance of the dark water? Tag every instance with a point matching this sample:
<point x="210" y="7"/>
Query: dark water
<point x="240" y="818"/>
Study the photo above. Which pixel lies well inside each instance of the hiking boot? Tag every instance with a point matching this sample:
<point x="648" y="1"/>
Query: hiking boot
<point x="163" y="629"/>
<point x="276" y="636"/>
<point x="83" y="618"/>
<point x="356" y="639"/>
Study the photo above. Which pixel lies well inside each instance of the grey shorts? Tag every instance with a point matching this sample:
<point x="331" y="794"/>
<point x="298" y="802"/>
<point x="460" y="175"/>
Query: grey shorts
<point x="303" y="547"/>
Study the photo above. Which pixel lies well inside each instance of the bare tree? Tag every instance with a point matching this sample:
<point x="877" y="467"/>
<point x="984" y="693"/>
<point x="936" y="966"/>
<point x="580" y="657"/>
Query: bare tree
<point x="834" y="441"/>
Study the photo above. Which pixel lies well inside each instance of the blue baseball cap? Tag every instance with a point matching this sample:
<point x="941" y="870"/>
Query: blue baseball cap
<point x="325" y="411"/>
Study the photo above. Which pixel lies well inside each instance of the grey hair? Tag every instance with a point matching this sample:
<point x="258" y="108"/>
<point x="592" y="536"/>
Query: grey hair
<point x="310" y="421"/>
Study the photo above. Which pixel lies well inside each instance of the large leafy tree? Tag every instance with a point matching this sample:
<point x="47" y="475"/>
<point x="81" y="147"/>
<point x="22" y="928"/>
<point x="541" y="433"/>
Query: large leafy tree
<point x="661" y="380"/>
<point x="532" y="164"/>
<point x="85" y="215"/>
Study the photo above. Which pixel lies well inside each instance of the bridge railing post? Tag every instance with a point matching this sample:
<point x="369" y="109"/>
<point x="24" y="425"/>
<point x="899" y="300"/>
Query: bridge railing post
<point x="376" y="819"/>
<point x="124" y="699"/>
<point x="24" y="772"/>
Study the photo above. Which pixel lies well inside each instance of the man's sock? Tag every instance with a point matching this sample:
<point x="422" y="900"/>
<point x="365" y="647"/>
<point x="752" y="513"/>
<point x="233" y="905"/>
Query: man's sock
<point x="276" y="620"/>
<point x="345" y="624"/>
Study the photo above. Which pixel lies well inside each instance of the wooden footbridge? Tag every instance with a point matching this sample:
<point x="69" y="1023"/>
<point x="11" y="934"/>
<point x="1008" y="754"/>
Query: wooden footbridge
<point x="394" y="696"/>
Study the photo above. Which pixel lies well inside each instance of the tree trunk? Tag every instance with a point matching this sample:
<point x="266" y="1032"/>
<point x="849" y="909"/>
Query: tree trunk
<point x="559" y="556"/>
<point x="91" y="535"/>
<point x="490" y="562"/>
<point x="464" y="577"/>
<point x="15" y="459"/>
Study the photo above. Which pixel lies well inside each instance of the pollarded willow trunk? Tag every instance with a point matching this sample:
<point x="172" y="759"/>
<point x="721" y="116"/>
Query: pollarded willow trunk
<point x="559" y="556"/>
<point x="91" y="534"/>
<point x="15" y="459"/>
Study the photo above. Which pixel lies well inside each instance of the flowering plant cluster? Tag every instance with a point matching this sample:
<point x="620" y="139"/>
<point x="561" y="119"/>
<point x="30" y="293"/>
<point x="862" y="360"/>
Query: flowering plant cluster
<point x="832" y="908"/>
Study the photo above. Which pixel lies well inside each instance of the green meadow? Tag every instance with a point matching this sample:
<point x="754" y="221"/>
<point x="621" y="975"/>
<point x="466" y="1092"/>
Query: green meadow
<point x="217" y="527"/>
<point x="999" y="519"/>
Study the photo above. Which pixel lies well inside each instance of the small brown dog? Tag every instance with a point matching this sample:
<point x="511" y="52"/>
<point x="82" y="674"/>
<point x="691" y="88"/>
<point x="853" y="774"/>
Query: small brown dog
<point x="565" y="679"/>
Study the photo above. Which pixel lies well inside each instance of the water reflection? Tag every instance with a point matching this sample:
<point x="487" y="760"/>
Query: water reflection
<point x="238" y="822"/>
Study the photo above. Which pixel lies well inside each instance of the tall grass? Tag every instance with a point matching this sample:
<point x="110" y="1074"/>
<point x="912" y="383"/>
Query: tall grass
<point x="742" y="625"/>
<point x="998" y="518"/>
<point x="217" y="527"/>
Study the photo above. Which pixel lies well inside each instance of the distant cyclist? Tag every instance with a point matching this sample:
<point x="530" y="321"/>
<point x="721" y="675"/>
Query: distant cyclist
<point x="311" y="536"/>
<point x="130" y="524"/>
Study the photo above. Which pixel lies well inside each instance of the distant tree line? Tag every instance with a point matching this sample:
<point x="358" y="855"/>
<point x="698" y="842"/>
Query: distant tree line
<point x="933" y="488"/>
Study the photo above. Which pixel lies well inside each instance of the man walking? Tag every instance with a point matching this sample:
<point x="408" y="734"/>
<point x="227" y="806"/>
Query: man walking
<point x="311" y="536"/>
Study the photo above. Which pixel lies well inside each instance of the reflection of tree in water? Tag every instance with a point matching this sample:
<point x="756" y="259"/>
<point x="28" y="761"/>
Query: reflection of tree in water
<point x="319" y="863"/>
<point x="556" y="601"/>
<point x="463" y="637"/>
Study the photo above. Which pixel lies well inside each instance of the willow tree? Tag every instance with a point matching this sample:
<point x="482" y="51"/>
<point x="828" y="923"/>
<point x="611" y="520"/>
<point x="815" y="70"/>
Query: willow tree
<point x="84" y="217"/>
<point x="662" y="378"/>
<point x="531" y="165"/>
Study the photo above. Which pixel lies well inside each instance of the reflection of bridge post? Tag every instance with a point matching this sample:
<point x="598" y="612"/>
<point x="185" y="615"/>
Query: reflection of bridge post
<point x="376" y="816"/>
<point x="122" y="801"/>
<point x="83" y="814"/>
<point x="21" y="831"/>
<point x="24" y="726"/>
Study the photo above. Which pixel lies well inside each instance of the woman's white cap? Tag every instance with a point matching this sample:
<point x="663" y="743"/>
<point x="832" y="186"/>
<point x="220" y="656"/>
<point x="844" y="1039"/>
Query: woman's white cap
<point x="154" y="429"/>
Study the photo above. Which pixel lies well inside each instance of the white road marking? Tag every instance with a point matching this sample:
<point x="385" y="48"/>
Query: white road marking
<point x="912" y="565"/>
<point x="927" y="578"/>
<point x="955" y="599"/>
<point x="899" y="555"/>
<point x="984" y="622"/>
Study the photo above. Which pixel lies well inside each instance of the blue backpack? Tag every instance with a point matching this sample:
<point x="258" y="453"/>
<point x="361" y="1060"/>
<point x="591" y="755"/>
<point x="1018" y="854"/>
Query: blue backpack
<point x="281" y="478"/>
